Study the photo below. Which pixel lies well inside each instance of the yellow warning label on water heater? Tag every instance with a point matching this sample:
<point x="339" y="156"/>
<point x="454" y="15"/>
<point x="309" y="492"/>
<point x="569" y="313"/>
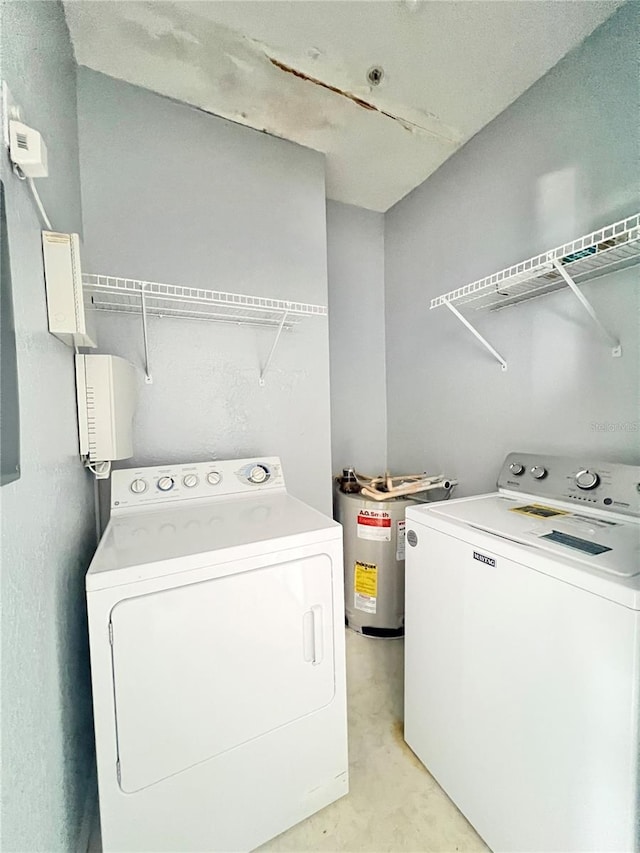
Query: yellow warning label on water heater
<point x="365" y="587"/>
<point x="365" y="579"/>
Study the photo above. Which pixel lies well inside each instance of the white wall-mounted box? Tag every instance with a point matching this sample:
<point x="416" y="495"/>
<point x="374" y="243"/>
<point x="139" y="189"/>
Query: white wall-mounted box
<point x="107" y="394"/>
<point x="28" y="150"/>
<point x="68" y="319"/>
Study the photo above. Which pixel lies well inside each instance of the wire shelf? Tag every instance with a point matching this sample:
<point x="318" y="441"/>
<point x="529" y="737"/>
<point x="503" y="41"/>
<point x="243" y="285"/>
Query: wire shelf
<point x="125" y="295"/>
<point x="613" y="247"/>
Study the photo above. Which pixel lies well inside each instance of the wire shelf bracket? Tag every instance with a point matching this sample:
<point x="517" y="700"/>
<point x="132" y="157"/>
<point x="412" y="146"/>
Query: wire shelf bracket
<point x="143" y="311"/>
<point x="612" y="248"/>
<point x="616" y="349"/>
<point x="148" y="298"/>
<point x="273" y="349"/>
<point x="485" y="343"/>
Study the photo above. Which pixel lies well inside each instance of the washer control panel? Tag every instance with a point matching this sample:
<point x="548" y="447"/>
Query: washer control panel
<point x="132" y="487"/>
<point x="599" y="485"/>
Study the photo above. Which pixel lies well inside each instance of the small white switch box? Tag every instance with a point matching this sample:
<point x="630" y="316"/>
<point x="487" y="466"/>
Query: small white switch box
<point x="27" y="150"/>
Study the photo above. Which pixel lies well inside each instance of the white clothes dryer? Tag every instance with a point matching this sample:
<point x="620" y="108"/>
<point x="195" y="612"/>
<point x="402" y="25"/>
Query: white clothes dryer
<point x="522" y="668"/>
<point x="216" y="627"/>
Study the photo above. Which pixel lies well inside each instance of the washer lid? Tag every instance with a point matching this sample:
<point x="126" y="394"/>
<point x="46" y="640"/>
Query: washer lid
<point x="218" y="531"/>
<point x="602" y="543"/>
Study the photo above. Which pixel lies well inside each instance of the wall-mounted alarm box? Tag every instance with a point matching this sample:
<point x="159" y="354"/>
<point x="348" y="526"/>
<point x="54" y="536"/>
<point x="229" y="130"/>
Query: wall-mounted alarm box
<point x="68" y="319"/>
<point x="107" y="394"/>
<point x="27" y="150"/>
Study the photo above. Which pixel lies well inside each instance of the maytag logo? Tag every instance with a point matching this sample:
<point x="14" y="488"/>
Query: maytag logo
<point x="488" y="560"/>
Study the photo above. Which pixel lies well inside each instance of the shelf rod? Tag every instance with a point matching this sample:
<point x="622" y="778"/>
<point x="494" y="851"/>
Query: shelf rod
<point x="475" y="332"/>
<point x="273" y="348"/>
<point x="143" y="304"/>
<point x="616" y="350"/>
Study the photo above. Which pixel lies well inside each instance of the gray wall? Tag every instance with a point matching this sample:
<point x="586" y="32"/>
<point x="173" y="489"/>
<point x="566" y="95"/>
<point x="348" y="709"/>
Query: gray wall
<point x="47" y="515"/>
<point x="355" y="244"/>
<point x="561" y="161"/>
<point x="172" y="194"/>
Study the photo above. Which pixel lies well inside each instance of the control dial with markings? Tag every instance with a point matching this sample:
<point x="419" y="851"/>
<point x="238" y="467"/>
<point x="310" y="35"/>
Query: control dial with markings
<point x="165" y="484"/>
<point x="213" y="478"/>
<point x="586" y="479"/>
<point x="538" y="472"/>
<point x="258" y="474"/>
<point x="190" y="481"/>
<point x="138" y="486"/>
<point x="516" y="468"/>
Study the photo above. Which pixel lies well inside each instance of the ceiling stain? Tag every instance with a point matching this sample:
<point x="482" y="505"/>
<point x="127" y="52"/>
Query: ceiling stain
<point x="289" y="70"/>
<point x="366" y="105"/>
<point x="292" y="71"/>
<point x="248" y="89"/>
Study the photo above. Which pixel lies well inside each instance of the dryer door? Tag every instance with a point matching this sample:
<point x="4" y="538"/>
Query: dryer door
<point x="203" y="668"/>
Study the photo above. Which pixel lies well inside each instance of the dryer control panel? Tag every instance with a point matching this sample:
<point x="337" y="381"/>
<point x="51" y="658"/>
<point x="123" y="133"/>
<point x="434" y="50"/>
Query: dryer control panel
<point x="132" y="487"/>
<point x="591" y="484"/>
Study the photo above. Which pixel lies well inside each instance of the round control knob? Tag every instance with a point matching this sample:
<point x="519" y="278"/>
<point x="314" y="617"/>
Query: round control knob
<point x="258" y="474"/>
<point x="190" y="481"/>
<point x="165" y="484"/>
<point x="213" y="478"/>
<point x="516" y="468"/>
<point x="586" y="479"/>
<point x="538" y="472"/>
<point x="138" y="487"/>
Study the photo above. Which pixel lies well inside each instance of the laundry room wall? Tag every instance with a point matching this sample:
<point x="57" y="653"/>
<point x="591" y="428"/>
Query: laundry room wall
<point x="560" y="162"/>
<point x="47" y="515"/>
<point x="355" y="245"/>
<point x="175" y="195"/>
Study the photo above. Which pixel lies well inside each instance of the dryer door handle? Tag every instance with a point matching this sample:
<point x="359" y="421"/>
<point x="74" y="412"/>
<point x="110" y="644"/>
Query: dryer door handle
<point x="312" y="635"/>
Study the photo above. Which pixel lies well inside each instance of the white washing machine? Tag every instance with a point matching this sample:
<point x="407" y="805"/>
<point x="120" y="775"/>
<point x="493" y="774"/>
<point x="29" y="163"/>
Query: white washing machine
<point x="523" y="654"/>
<point x="216" y="625"/>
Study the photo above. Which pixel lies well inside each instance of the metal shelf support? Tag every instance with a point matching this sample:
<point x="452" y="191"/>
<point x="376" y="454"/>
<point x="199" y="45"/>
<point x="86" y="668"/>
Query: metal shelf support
<point x="616" y="349"/>
<point x="485" y="343"/>
<point x="273" y="348"/>
<point x="148" y="378"/>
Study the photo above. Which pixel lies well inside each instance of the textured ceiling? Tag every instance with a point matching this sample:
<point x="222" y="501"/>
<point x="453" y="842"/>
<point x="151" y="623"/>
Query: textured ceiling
<point x="298" y="70"/>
